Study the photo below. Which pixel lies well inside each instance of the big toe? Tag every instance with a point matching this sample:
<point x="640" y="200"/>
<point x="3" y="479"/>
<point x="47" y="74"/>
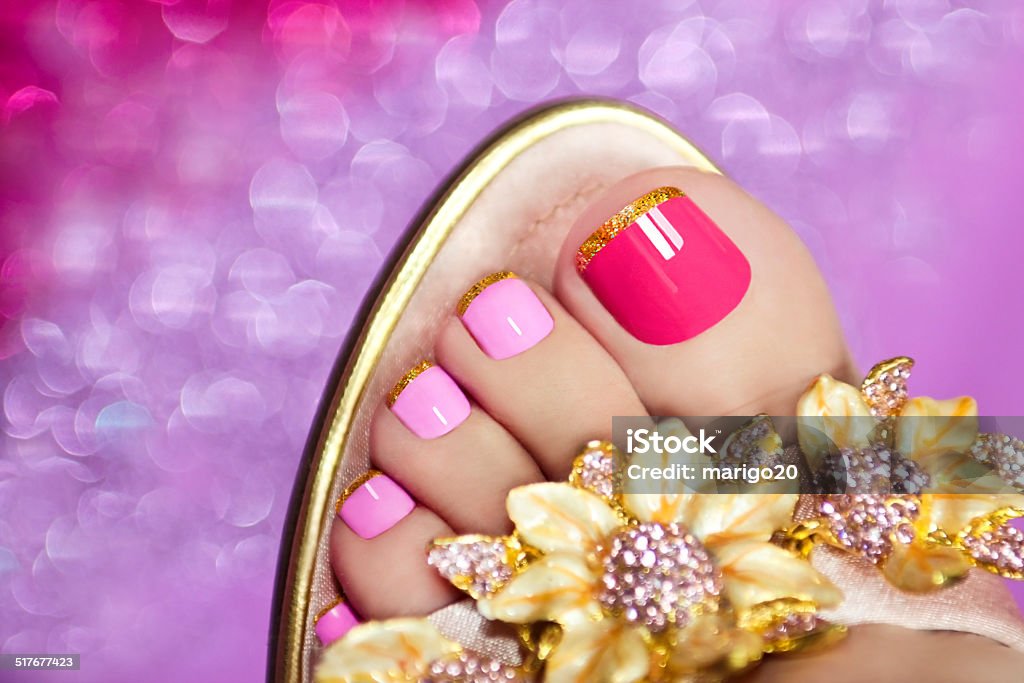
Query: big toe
<point x="707" y="299"/>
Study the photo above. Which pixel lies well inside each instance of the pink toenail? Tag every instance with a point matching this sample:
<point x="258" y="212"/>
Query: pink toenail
<point x="663" y="269"/>
<point x="334" y="622"/>
<point x="504" y="315"/>
<point x="373" y="504"/>
<point x="428" y="401"/>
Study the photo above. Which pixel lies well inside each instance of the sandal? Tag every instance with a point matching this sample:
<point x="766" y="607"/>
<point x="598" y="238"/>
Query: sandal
<point x="566" y="153"/>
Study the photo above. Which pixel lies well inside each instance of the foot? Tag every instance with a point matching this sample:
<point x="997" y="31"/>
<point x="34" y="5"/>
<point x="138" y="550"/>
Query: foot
<point x="733" y="318"/>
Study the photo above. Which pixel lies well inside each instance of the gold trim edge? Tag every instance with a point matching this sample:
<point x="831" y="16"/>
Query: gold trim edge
<point x="610" y="229"/>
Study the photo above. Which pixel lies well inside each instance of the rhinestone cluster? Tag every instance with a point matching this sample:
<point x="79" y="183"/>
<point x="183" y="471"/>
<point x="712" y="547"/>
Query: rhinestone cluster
<point x="657" y="575"/>
<point x="794" y="626"/>
<point x="874" y="469"/>
<point x="1004" y="454"/>
<point x="885" y="389"/>
<point x="870" y="524"/>
<point x="756" y="443"/>
<point x="478" y="567"/>
<point x="1001" y="549"/>
<point x="595" y="470"/>
<point x="469" y="667"/>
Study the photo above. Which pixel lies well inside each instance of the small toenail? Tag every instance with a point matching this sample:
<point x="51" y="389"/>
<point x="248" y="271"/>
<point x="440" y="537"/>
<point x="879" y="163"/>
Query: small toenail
<point x="504" y="315"/>
<point x="334" y="622"/>
<point x="373" y="503"/>
<point x="663" y="269"/>
<point x="428" y="401"/>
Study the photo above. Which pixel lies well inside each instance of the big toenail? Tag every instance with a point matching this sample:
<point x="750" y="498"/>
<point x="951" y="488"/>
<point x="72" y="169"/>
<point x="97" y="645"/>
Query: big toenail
<point x="428" y="401"/>
<point x="663" y="269"/>
<point x="504" y="315"/>
<point x="373" y="503"/>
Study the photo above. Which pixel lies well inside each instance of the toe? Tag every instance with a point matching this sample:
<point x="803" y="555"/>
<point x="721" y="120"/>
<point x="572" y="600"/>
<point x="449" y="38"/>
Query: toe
<point x="450" y="455"/>
<point x="378" y="547"/>
<point x="708" y="301"/>
<point x="535" y="370"/>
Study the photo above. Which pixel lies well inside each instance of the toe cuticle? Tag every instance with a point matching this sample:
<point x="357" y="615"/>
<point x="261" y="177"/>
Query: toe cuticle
<point x="663" y="269"/>
<point x="428" y="401"/>
<point x="373" y="503"/>
<point x="504" y="315"/>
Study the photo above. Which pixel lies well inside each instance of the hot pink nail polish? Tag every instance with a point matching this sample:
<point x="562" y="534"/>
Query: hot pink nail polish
<point x="663" y="269"/>
<point x="504" y="316"/>
<point x="428" y="401"/>
<point x="373" y="504"/>
<point x="335" y="622"/>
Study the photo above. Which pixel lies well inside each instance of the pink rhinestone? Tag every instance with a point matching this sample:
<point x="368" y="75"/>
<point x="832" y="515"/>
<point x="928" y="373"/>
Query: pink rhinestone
<point x="886" y="392"/>
<point x="1004" y="454"/>
<point x="658" y="576"/>
<point x="597" y="471"/>
<point x="470" y="667"/>
<point x="870" y="524"/>
<point x="874" y="469"/>
<point x="1002" y="548"/>
<point x="794" y="626"/>
<point x="485" y="563"/>
<point x="747" y="445"/>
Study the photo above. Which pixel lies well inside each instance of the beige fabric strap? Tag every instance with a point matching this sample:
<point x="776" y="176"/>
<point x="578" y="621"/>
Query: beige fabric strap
<point x="980" y="604"/>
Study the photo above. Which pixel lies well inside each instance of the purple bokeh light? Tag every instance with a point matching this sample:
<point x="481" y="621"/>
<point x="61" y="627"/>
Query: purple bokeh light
<point x="197" y="194"/>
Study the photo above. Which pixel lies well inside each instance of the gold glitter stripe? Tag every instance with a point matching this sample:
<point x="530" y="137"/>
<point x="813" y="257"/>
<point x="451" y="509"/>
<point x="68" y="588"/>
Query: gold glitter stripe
<point x="351" y="488"/>
<point x="406" y="380"/>
<point x="479" y="287"/>
<point x="620" y="221"/>
<point x="331" y="605"/>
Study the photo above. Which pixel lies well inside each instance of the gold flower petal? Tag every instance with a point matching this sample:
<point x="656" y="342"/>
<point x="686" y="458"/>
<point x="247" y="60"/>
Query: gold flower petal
<point x="725" y="518"/>
<point x="927" y="428"/>
<point x="832" y="412"/>
<point x="953" y="512"/>
<point x="557" y="587"/>
<point x="711" y="641"/>
<point x="920" y="567"/>
<point x="756" y="571"/>
<point x="959" y="472"/>
<point x="603" y="651"/>
<point x="662" y="508"/>
<point x="559" y="517"/>
<point x="383" y="651"/>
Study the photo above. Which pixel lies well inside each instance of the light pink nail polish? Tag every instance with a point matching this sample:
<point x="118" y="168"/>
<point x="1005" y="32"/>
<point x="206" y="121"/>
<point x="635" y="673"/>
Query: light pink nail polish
<point x="663" y="269"/>
<point x="504" y="316"/>
<point x="334" y="623"/>
<point x="374" y="505"/>
<point x="428" y="401"/>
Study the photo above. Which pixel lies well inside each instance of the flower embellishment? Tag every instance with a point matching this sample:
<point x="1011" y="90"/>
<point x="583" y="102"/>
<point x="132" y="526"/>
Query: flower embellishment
<point x="643" y="586"/>
<point x="408" y="651"/>
<point x="920" y="501"/>
<point x="607" y="584"/>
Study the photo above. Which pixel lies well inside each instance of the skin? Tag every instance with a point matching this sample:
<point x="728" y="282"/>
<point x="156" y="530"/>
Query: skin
<point x="532" y="411"/>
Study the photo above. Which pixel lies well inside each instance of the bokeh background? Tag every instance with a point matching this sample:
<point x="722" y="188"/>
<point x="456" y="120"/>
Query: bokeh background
<point x="196" y="195"/>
